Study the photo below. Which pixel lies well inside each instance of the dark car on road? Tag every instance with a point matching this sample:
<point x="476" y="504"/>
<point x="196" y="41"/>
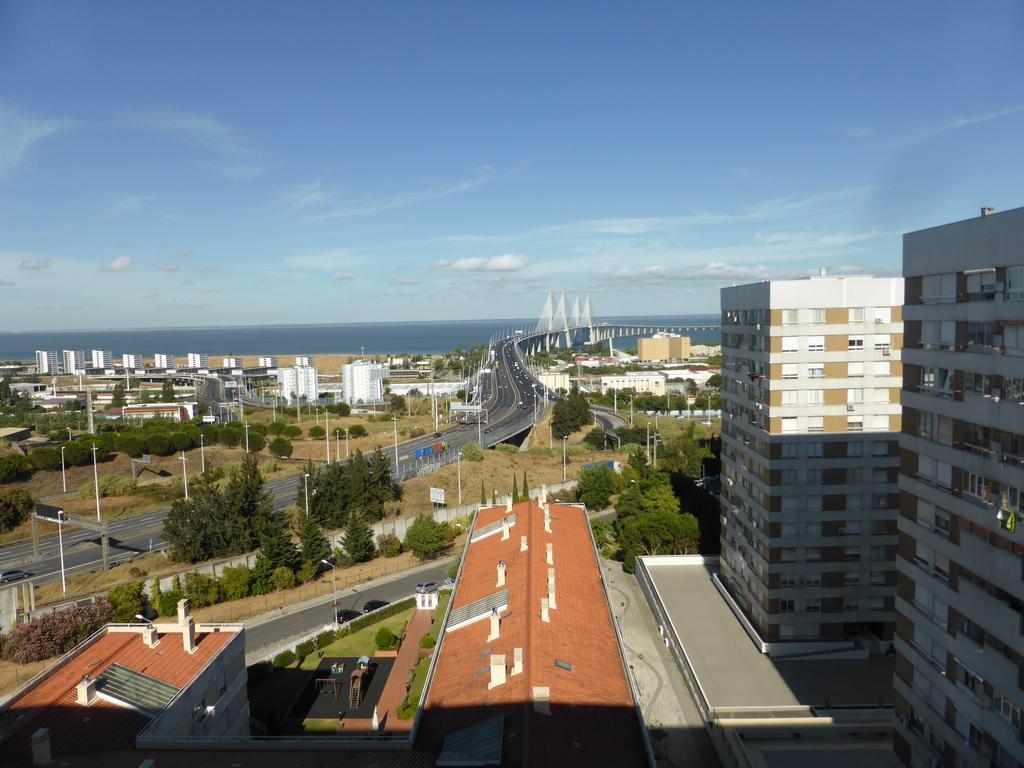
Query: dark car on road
<point x="14" y="574"/>
<point x="373" y="605"/>
<point x="347" y="614"/>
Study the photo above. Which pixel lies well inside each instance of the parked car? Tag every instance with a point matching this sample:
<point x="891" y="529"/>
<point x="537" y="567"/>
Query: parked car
<point x="14" y="574"/>
<point x="437" y="434"/>
<point x="347" y="614"/>
<point x="426" y="586"/>
<point x="373" y="605"/>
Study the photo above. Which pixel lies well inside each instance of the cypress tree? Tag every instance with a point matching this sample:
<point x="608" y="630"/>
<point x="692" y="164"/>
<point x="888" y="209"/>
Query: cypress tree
<point x="483" y="493"/>
<point x="494" y="497"/>
<point x="526" y="488"/>
<point x="515" y="489"/>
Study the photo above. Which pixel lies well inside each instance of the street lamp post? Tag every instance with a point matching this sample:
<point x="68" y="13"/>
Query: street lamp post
<point x="565" y="443"/>
<point x="306" y="482"/>
<point x="60" y="545"/>
<point x="202" y="454"/>
<point x="246" y="437"/>
<point x="395" y="420"/>
<point x="458" y="465"/>
<point x="327" y="433"/>
<point x="347" y="452"/>
<point x="63" y="477"/>
<point x="334" y="587"/>
<point x="184" y="473"/>
<point x="96" y="480"/>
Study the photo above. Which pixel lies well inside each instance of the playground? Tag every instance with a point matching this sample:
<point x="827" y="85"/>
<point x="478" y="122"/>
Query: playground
<point x="342" y="689"/>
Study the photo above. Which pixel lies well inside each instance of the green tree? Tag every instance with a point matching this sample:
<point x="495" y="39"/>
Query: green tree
<point x="314" y="545"/>
<point x="281" y="446"/>
<point x="357" y="430"/>
<point x="192" y="524"/>
<point x="427" y="538"/>
<point x="525" y="496"/>
<point x="293" y="431"/>
<point x="358" y="542"/>
<point x="128" y="600"/>
<point x="277" y="547"/>
<point x="472" y="452"/>
<point x="483" y="492"/>
<point x="262" y="576"/>
<point x="276" y="428"/>
<point x="167" y="391"/>
<point x="283" y="578"/>
<point x="596" y="487"/>
<point x="316" y="432"/>
<point x="117" y="399"/>
<point x="515" y="489"/>
<point x="656" y="533"/>
<point x="251" y="506"/>
<point x="236" y="582"/>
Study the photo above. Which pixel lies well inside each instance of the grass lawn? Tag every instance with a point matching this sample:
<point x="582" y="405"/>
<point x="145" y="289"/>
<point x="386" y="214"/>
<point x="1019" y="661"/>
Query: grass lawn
<point x="415" y="690"/>
<point x="442" y="604"/>
<point x="360" y="643"/>
<point x="319" y="725"/>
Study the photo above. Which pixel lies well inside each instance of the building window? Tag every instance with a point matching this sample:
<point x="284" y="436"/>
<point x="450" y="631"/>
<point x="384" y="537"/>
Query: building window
<point x="815" y="343"/>
<point x="981" y="284"/>
<point x="882" y="368"/>
<point x="882" y="315"/>
<point x="812" y="579"/>
<point x="789" y="451"/>
<point x="855" y="343"/>
<point x="855" y="396"/>
<point x="812" y="555"/>
<point x="1015" y="284"/>
<point x="851" y="579"/>
<point x="789" y="477"/>
<point x="855" y="449"/>
<point x="854" y="423"/>
<point x="790" y="370"/>
<point x="815" y="423"/>
<point x="856" y="314"/>
<point x="789" y="423"/>
<point x="854" y="370"/>
<point x="816" y="371"/>
<point x="981" y="334"/>
<point x="790" y="397"/>
<point x="815" y="396"/>
<point x="787" y="555"/>
<point x="883" y="343"/>
<point x="851" y="553"/>
<point x="790" y="316"/>
<point x="879" y="553"/>
<point x="851" y="605"/>
<point x="790" y="343"/>
<point x="787" y="580"/>
<point x="938" y="289"/>
<point x="812" y="605"/>
<point x="815" y="450"/>
<point x="877" y="578"/>
<point x="787" y="606"/>
<point x="816" y="316"/>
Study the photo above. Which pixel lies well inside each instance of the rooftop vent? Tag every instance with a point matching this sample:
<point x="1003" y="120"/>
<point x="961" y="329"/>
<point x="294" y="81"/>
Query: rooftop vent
<point x="986" y="211"/>
<point x="563" y="665"/>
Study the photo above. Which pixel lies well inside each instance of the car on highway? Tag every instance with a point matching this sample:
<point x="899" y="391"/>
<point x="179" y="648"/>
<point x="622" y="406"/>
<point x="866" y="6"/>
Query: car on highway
<point x="426" y="586"/>
<point x="437" y="434"/>
<point x="347" y="614"/>
<point x="13" y="574"/>
<point x="487" y="430"/>
<point x="373" y="605"/>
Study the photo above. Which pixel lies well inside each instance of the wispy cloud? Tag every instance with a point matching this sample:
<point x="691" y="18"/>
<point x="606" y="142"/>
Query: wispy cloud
<point x="210" y="270"/>
<point x="129" y="204"/>
<point x="506" y="262"/>
<point x="816" y="238"/>
<point x="323" y="260"/>
<point x="343" y="277"/>
<point x="35" y="265"/>
<point x="120" y="264"/>
<point x="151" y="295"/>
<point x="171" y="268"/>
<point x="632" y="278"/>
<point x="962" y="121"/>
<point x="4" y="283"/>
<point x="857" y="131"/>
<point x="19" y="132"/>
<point x="399" y="280"/>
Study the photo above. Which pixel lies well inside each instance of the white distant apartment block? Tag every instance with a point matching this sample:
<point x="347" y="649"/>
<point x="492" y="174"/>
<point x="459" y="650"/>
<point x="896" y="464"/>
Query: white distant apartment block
<point x="74" y="361"/>
<point x="298" y="383"/>
<point x="304" y="361"/>
<point x="363" y="382"/>
<point x="163" y="361"/>
<point x="648" y="382"/>
<point x="46" y="362"/>
<point x="232" y="362"/>
<point x="198" y="360"/>
<point x="134" y="362"/>
<point x="102" y="358"/>
<point x="268" y="362"/>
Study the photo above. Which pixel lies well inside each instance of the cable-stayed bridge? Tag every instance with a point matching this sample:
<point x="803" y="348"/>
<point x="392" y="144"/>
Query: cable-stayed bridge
<point x="560" y="326"/>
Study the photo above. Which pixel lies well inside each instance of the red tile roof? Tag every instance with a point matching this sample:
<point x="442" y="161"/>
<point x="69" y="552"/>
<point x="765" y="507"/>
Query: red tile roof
<point x="592" y="720"/>
<point x="77" y="729"/>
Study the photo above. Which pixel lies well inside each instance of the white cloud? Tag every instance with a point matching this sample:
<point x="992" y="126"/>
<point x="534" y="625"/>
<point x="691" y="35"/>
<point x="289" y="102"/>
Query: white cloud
<point x="857" y="131"/>
<point x="35" y="265"/>
<point x="172" y="268"/>
<point x="342" y="277"/>
<point x="19" y="132"/>
<point x="962" y="121"/>
<point x="506" y="262"/>
<point x="120" y="264"/>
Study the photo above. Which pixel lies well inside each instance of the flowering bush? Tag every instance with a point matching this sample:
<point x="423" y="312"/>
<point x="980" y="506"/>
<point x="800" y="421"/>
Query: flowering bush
<point x="56" y="633"/>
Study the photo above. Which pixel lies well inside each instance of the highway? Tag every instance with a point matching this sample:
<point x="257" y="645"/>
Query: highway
<point x="506" y="393"/>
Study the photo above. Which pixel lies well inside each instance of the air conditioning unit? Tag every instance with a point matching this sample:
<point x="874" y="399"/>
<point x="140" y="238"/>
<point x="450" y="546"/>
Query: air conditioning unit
<point x="886" y="352"/>
<point x="879" y="321"/>
<point x="849" y="407"/>
<point x="842" y="532"/>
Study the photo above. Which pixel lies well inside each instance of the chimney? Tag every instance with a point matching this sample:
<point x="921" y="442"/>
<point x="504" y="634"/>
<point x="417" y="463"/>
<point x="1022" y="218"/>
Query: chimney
<point x="508" y="504"/>
<point x="150" y="636"/>
<point x="522" y="544"/>
<point x="547" y="520"/>
<point x="183" y="611"/>
<point x="41" y="747"/>
<point x="551" y="588"/>
<point x="497" y="670"/>
<point x="501" y="573"/>
<point x="504" y="529"/>
<point x="188" y="635"/>
<point x="550" y="553"/>
<point x="495" y="625"/>
<point x="542" y="700"/>
<point x="517" y="661"/>
<point x="544" y="610"/>
<point x="986" y="211"/>
<point x="543" y="495"/>
<point x="85" y="692"/>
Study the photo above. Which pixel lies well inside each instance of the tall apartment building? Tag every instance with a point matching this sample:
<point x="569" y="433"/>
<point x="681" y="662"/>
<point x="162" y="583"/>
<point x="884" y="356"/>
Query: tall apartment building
<point x="663" y="347"/>
<point x="198" y="360"/>
<point x="268" y="362"/>
<point x="232" y="362"/>
<point x="959" y="669"/>
<point x="363" y="382"/>
<point x="163" y="361"/>
<point x="305" y="361"/>
<point x="298" y="383"/>
<point x="74" y="360"/>
<point x="46" y="362"/>
<point x="133" y="362"/>
<point x="102" y="358"/>
<point x="811" y="415"/>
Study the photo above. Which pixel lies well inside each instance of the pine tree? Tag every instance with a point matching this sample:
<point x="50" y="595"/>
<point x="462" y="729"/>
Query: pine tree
<point x="314" y="545"/>
<point x="249" y="506"/>
<point x="515" y="489"/>
<point x="277" y="545"/>
<point x="167" y="391"/>
<point x="359" y="539"/>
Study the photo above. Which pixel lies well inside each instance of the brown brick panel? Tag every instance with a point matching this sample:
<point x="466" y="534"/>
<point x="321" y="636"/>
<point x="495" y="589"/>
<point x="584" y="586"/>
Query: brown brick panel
<point x="775" y="344"/>
<point x="905" y="628"/>
<point x="911" y="377"/>
<point x="835" y="424"/>
<point x="907" y="547"/>
<point x="835" y="371"/>
<point x="897" y="314"/>
<point x="895" y="423"/>
<point x="911" y="291"/>
<point x="832" y="579"/>
<point x="837" y="343"/>
<point x="832" y="605"/>
<point x="835" y="396"/>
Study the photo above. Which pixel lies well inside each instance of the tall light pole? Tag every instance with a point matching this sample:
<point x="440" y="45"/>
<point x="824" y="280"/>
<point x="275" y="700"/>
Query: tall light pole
<point x="458" y="465"/>
<point x="202" y="454"/>
<point x="394" y="419"/>
<point x="565" y="443"/>
<point x="348" y="453"/>
<point x="60" y="545"/>
<point x="334" y="587"/>
<point x="327" y="433"/>
<point x="246" y="437"/>
<point x="96" y="481"/>
<point x="184" y="473"/>
<point x="63" y="477"/>
<point x="306" y="482"/>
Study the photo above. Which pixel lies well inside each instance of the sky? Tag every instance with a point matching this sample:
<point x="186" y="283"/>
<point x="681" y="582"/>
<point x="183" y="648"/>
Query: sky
<point x="231" y="163"/>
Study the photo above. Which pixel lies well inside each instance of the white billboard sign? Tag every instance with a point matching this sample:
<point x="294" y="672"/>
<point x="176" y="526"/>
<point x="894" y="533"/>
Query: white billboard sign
<point x="437" y="495"/>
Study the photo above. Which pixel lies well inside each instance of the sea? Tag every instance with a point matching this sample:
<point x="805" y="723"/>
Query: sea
<point x="344" y="338"/>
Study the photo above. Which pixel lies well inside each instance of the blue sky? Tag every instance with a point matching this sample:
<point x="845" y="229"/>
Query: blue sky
<point x="250" y="163"/>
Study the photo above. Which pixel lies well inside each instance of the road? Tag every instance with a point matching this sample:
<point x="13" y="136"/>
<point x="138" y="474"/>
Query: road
<point x="265" y="634"/>
<point x="507" y="394"/>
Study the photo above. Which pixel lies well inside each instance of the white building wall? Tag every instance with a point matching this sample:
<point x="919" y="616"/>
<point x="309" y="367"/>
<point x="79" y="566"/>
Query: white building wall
<point x="653" y="383"/>
<point x="46" y="362"/>
<point x="74" y="360"/>
<point x="268" y="362"/>
<point x="163" y="360"/>
<point x="131" y="361"/>
<point x="363" y="382"/>
<point x="198" y="360"/>
<point x="102" y="358"/>
<point x="298" y="382"/>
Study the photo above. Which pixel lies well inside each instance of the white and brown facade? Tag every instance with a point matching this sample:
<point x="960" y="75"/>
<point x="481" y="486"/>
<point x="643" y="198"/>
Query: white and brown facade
<point x="811" y="414"/>
<point x="959" y="672"/>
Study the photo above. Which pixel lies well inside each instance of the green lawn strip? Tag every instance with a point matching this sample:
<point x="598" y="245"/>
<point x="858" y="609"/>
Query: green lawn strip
<point x="442" y="605"/>
<point x="359" y="643"/>
<point x="408" y="709"/>
<point x="319" y="725"/>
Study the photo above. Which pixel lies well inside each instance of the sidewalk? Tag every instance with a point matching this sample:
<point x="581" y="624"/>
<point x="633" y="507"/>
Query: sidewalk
<point x="677" y="729"/>
<point x="395" y="688"/>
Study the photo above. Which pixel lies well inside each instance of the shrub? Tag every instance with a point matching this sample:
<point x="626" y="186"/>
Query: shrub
<point x="276" y="428"/>
<point x="385" y="639"/>
<point x="428" y="641"/>
<point x="539" y="450"/>
<point x="427" y="538"/>
<point x="316" y="432"/>
<point x="128" y="601"/>
<point x="417" y="432"/>
<point x="284" y="659"/>
<point x="389" y="545"/>
<point x="357" y="430"/>
<point x="55" y="633"/>
<point x="325" y="638"/>
<point x="307" y="572"/>
<point x="45" y="458"/>
<point x="282" y="578"/>
<point x="257" y="442"/>
<point x="293" y="431"/>
<point x="159" y="443"/>
<point x="230" y="438"/>
<point x="472" y="452"/>
<point x="281" y="446"/>
<point x="236" y="582"/>
<point x="167" y="602"/>
<point x="182" y="441"/>
<point x="15" y="507"/>
<point x="506" y="448"/>
<point x="302" y="650"/>
<point x="201" y="590"/>
<point x="110" y="485"/>
<point x="14" y="467"/>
